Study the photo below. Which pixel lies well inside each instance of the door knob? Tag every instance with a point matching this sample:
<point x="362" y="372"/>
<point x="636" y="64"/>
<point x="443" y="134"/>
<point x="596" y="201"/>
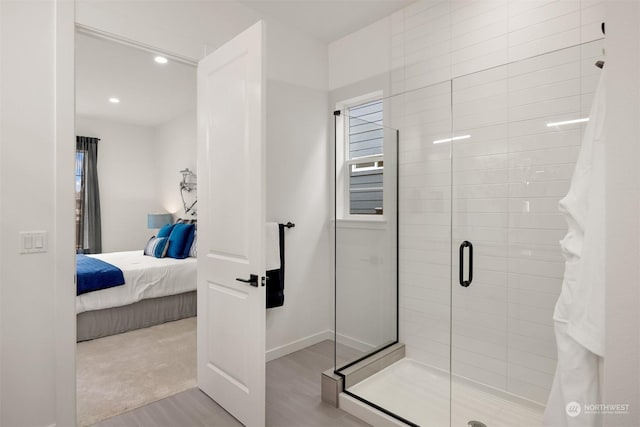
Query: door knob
<point x="252" y="280"/>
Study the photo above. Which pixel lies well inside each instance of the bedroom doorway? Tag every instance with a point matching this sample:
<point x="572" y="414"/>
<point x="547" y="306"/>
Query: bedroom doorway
<point x="137" y="339"/>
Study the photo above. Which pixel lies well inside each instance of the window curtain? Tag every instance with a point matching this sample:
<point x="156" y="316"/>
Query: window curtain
<point x="88" y="224"/>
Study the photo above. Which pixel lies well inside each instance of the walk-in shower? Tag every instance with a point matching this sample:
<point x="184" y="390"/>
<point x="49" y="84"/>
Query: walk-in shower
<point x="446" y="235"/>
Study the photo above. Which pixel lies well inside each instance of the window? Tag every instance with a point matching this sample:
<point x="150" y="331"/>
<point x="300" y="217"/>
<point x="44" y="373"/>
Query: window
<point x="79" y="199"/>
<point x="364" y="137"/>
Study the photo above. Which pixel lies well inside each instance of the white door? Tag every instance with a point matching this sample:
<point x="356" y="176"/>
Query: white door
<point x="231" y="313"/>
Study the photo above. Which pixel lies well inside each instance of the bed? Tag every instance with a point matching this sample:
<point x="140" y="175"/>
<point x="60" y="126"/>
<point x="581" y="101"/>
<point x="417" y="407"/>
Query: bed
<point x="156" y="290"/>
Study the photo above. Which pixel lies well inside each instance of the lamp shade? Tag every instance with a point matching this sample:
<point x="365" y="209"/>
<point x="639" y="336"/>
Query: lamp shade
<point x="158" y="220"/>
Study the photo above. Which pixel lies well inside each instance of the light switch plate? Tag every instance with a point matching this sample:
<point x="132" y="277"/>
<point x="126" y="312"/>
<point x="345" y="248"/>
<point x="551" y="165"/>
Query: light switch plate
<point x="33" y="242"/>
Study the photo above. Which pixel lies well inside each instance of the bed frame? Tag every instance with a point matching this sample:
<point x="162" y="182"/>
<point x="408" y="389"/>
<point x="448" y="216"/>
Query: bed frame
<point x="142" y="314"/>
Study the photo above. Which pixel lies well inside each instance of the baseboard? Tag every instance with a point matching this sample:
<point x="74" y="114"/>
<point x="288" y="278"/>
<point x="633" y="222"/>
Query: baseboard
<point x="296" y="345"/>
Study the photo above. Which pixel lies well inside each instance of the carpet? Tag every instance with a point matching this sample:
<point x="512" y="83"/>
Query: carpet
<point x="126" y="371"/>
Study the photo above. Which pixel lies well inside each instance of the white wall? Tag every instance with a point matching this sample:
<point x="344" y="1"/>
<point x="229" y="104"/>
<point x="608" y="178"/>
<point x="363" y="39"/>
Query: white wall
<point x="297" y="191"/>
<point x="362" y="54"/>
<point x="502" y="334"/>
<point x="622" y="360"/>
<point x="36" y="178"/>
<point x="127" y="179"/>
<point x="174" y="149"/>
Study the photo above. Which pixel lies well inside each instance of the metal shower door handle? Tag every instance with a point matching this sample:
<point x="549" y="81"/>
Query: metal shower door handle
<point x="465" y="283"/>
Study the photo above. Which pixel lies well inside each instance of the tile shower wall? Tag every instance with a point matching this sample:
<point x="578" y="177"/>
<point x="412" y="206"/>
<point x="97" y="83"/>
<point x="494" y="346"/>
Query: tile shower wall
<point x="507" y="178"/>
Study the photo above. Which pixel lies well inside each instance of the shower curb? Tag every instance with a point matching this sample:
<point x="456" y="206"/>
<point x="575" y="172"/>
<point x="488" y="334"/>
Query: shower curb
<point x="332" y="383"/>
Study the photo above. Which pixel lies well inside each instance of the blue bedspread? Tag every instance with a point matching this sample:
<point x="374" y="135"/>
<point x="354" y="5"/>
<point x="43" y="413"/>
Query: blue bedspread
<point x="94" y="274"/>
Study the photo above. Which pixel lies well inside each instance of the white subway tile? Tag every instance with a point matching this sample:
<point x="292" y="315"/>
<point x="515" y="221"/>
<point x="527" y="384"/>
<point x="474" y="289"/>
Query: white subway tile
<point x="541" y="173"/>
<point x="536" y="237"/>
<point x="432" y="354"/>
<point x="551" y="156"/>
<point x="480" y="362"/>
<point x="476" y="234"/>
<point x="490" y="349"/>
<point x="540" y="46"/>
<point x="543" y="364"/>
<point x="528" y="391"/>
<point x="535" y="283"/>
<point x="522" y="7"/>
<point x="530" y="329"/>
<point x="533" y="298"/>
<point x="545" y="12"/>
<point x="545" y="28"/>
<point x="537" y="252"/>
<point x="537" y="221"/>
<point x="483" y="376"/>
<point x="492" y="161"/>
<point x="556" y="106"/>
<point x="537" y="268"/>
<point x="532" y="314"/>
<point x="546" y="347"/>
<point x="531" y="205"/>
<point x="491" y="176"/>
<point x="571" y="137"/>
<point x="547" y="92"/>
<point x="544" y="76"/>
<point x="481" y="205"/>
<point x="530" y="376"/>
<point x="466" y="13"/>
<point x="426" y="11"/>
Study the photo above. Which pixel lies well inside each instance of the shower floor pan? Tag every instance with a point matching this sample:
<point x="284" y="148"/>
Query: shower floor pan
<point x="421" y="395"/>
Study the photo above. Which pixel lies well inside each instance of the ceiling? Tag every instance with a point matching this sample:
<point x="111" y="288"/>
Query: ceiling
<point x="151" y="94"/>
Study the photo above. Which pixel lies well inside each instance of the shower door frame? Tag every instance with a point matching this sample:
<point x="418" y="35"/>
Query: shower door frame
<point x="338" y="371"/>
<point x="453" y="250"/>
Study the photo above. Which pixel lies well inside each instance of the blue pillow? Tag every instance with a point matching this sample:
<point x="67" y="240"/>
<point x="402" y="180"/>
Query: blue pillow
<point x="157" y="247"/>
<point x="180" y="241"/>
<point x="165" y="231"/>
<point x="193" y="252"/>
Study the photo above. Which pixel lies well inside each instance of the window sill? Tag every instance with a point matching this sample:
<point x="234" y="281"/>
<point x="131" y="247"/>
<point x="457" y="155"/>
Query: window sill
<point x="379" y="223"/>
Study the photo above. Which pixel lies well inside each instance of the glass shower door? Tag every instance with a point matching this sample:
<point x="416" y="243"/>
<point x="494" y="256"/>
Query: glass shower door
<point x="365" y="233"/>
<point x="372" y="305"/>
<point x="512" y="163"/>
<point x="416" y="389"/>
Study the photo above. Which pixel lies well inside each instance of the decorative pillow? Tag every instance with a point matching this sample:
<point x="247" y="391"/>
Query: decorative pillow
<point x="165" y="231"/>
<point x="157" y="247"/>
<point x="193" y="251"/>
<point x="180" y="240"/>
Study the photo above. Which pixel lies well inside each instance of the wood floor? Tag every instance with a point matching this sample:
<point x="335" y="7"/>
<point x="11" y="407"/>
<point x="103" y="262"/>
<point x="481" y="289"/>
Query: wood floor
<point x="293" y="399"/>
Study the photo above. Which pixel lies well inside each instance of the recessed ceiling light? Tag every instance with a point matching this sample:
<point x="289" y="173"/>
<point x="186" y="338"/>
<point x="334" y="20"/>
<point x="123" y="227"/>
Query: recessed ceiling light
<point x="161" y="59"/>
<point x="114" y="100"/>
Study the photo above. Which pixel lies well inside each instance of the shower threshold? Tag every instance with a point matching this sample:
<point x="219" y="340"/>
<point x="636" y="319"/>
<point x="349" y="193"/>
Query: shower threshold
<point x="421" y="394"/>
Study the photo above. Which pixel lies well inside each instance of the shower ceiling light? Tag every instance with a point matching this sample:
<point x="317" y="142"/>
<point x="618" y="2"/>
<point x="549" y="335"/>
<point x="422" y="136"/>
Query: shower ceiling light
<point x="114" y="100"/>
<point x="161" y="59"/>
<point x="568" y="122"/>
<point x="455" y="138"/>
